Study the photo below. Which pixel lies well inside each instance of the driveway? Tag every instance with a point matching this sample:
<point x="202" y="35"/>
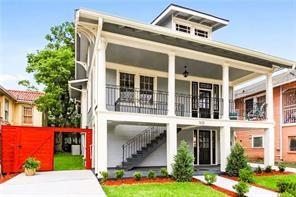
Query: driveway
<point x="73" y="183"/>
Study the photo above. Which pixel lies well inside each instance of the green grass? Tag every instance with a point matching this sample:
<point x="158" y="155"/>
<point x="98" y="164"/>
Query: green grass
<point x="66" y="161"/>
<point x="271" y="181"/>
<point x="161" y="190"/>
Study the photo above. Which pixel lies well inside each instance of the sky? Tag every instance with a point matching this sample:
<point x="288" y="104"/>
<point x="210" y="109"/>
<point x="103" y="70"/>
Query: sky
<point x="267" y="26"/>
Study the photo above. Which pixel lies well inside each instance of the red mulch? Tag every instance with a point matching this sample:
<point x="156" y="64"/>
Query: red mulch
<point x="7" y="177"/>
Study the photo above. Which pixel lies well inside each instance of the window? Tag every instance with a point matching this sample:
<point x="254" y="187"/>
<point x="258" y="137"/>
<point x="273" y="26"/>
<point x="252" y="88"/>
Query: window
<point x="28" y="115"/>
<point x="146" y="89"/>
<point x="292" y="141"/>
<point x="6" y="110"/>
<point x="183" y="28"/>
<point x="127" y="83"/>
<point x="201" y="33"/>
<point x="289" y="106"/>
<point x="257" y="141"/>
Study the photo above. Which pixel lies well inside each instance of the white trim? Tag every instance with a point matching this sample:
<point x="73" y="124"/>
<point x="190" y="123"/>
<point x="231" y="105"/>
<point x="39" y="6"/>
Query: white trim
<point x="253" y="136"/>
<point x="289" y="124"/>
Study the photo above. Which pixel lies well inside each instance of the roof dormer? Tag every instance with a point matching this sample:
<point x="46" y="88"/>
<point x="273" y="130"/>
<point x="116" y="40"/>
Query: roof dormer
<point x="189" y="21"/>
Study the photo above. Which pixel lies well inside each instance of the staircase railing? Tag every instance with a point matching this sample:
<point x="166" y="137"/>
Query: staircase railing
<point x="140" y="141"/>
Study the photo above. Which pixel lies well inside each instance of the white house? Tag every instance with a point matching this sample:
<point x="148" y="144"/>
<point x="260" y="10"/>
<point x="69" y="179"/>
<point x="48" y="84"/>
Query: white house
<point x="145" y="87"/>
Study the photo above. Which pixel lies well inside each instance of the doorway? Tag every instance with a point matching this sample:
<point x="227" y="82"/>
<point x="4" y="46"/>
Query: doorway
<point x="205" y="103"/>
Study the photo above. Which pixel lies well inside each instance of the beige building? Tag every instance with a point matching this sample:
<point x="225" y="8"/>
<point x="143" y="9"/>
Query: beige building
<point x="17" y="107"/>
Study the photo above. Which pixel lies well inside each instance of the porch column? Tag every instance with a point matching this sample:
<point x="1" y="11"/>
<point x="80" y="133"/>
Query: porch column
<point x="171" y="145"/>
<point x="101" y="146"/>
<point x="224" y="146"/>
<point x="83" y="108"/>
<point x="225" y="91"/>
<point x="101" y="74"/>
<point x="269" y="146"/>
<point x="171" y="85"/>
<point x="269" y="97"/>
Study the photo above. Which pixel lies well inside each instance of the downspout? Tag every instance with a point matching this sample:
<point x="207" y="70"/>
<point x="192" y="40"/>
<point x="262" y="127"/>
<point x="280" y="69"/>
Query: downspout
<point x="281" y="123"/>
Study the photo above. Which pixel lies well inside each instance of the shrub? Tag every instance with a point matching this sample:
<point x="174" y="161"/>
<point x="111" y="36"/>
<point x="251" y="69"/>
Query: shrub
<point x="105" y="175"/>
<point x="241" y="188"/>
<point x="183" y="163"/>
<point x="292" y="192"/>
<point x="31" y="163"/>
<point x="210" y="178"/>
<point x="151" y="174"/>
<point x="286" y="194"/>
<point x="284" y="186"/>
<point x="236" y="160"/>
<point x="282" y="167"/>
<point x="246" y="175"/>
<point x="258" y="170"/>
<point x="164" y="172"/>
<point x="119" y="174"/>
<point x="268" y="169"/>
<point x="138" y="176"/>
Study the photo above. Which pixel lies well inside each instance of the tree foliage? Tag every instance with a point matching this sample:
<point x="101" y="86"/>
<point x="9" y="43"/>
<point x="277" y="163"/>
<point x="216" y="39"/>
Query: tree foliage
<point x="53" y="67"/>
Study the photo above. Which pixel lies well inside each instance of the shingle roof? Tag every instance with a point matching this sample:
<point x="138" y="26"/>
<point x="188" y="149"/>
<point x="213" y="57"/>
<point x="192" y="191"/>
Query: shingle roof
<point x="25" y="96"/>
<point x="277" y="80"/>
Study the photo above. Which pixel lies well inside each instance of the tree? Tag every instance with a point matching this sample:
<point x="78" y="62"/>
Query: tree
<point x="236" y="160"/>
<point x="28" y="85"/>
<point x="53" y="67"/>
<point x="183" y="165"/>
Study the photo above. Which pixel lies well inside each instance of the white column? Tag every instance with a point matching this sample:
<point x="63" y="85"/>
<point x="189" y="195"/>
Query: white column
<point x="171" y="145"/>
<point x="101" y="74"/>
<point x="83" y="108"/>
<point x="101" y="151"/>
<point x="171" y="85"/>
<point x="269" y="97"/>
<point x="224" y="146"/>
<point x="269" y="146"/>
<point x="225" y="91"/>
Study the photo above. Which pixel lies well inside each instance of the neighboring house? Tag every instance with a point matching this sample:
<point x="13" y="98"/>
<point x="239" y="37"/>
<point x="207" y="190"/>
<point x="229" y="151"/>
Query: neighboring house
<point x="145" y="87"/>
<point x="17" y="107"/>
<point x="253" y="98"/>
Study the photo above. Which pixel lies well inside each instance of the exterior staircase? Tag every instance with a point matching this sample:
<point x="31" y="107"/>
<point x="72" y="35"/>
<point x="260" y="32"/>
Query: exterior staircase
<point x="142" y="145"/>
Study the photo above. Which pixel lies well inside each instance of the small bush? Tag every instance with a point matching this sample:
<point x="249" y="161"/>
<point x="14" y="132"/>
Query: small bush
<point x="241" y="188"/>
<point x="138" y="176"/>
<point x="284" y="186"/>
<point x="164" y="172"/>
<point x="292" y="192"/>
<point x="105" y="175"/>
<point x="258" y="170"/>
<point x="119" y="174"/>
<point x="31" y="163"/>
<point x="246" y="175"/>
<point x="183" y="163"/>
<point x="151" y="174"/>
<point x="282" y="167"/>
<point x="236" y="160"/>
<point x="286" y="194"/>
<point x="210" y="178"/>
<point x="268" y="169"/>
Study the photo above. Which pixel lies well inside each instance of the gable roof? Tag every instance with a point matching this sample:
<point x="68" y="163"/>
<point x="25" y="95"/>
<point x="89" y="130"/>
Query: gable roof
<point x="277" y="80"/>
<point x="25" y="96"/>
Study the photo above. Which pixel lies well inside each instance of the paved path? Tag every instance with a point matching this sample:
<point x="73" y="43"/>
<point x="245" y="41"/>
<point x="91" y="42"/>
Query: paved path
<point x="74" y="183"/>
<point x="254" y="165"/>
<point x="227" y="184"/>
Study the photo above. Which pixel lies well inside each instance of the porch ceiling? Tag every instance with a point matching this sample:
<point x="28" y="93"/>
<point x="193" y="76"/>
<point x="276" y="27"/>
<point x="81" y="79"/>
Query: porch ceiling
<point x="157" y="61"/>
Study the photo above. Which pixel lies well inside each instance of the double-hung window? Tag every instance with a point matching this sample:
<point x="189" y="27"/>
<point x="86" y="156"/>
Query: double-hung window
<point x="146" y="89"/>
<point x="6" y="109"/>
<point x="289" y="106"/>
<point x="292" y="141"/>
<point x="127" y="86"/>
<point x="27" y="115"/>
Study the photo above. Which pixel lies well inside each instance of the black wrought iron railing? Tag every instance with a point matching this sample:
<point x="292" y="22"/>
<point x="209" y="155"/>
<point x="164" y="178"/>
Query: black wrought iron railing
<point x="140" y="141"/>
<point x="247" y="110"/>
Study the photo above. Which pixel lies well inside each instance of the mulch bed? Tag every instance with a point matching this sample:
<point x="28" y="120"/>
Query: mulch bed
<point x="7" y="177"/>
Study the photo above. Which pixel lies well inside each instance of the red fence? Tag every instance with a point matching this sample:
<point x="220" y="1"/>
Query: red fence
<point x="19" y="143"/>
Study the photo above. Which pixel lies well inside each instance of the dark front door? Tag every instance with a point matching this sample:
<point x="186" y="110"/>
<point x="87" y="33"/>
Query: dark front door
<point x="204" y="147"/>
<point x="205" y="103"/>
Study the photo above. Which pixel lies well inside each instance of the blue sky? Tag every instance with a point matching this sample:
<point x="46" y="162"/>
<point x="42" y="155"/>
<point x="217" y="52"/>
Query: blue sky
<point x="268" y="26"/>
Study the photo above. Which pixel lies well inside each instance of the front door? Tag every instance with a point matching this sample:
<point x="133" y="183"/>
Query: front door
<point x="204" y="147"/>
<point x="205" y="103"/>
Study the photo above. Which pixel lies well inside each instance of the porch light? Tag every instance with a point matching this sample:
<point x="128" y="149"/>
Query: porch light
<point x="185" y="73"/>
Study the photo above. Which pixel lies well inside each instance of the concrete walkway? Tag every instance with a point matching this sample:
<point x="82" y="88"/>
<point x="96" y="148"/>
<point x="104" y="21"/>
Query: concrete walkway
<point x="74" y="183"/>
<point x="227" y="184"/>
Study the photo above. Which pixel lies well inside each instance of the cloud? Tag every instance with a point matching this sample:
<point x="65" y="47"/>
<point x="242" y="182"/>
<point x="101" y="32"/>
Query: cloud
<point x="9" y="78"/>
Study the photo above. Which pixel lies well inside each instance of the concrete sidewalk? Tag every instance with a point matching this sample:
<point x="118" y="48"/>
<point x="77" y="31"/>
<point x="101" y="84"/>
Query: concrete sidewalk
<point x="227" y="184"/>
<point x="73" y="183"/>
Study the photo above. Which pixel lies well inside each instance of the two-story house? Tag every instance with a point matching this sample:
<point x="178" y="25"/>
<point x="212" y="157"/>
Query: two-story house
<point x="17" y="107"/>
<point x="145" y="87"/>
<point x="252" y="98"/>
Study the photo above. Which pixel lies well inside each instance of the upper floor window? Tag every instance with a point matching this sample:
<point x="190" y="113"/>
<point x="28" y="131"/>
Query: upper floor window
<point x="201" y="33"/>
<point x="289" y="106"/>
<point x="6" y="109"/>
<point x="183" y="28"/>
<point x="146" y="89"/>
<point x="255" y="108"/>
<point x="292" y="141"/>
<point x="127" y="85"/>
<point x="257" y="141"/>
<point x="28" y="115"/>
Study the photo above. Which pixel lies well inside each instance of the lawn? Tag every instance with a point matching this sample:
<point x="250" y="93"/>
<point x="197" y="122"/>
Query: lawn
<point x="271" y="181"/>
<point x="161" y="189"/>
<point x="66" y="161"/>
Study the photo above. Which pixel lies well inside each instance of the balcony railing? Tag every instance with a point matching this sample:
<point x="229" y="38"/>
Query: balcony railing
<point x="241" y="110"/>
